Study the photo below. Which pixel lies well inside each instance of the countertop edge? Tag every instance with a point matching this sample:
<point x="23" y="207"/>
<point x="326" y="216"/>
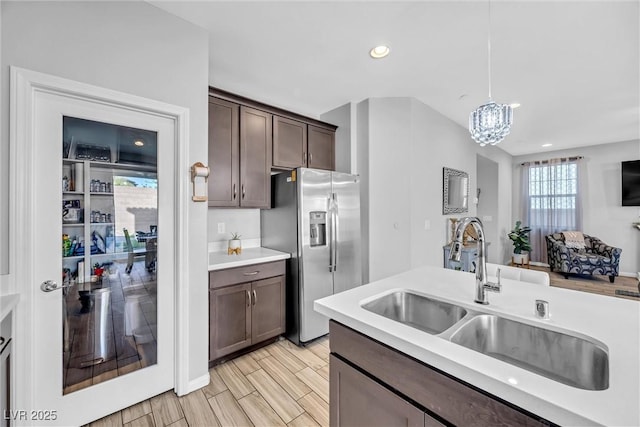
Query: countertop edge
<point x="249" y="256"/>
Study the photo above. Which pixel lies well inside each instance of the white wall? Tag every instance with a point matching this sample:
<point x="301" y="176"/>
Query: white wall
<point x="389" y="186"/>
<point x="131" y="47"/>
<point x="403" y="145"/>
<point x="603" y="214"/>
<point x="488" y="203"/>
<point x="341" y="117"/>
<point x="362" y="131"/>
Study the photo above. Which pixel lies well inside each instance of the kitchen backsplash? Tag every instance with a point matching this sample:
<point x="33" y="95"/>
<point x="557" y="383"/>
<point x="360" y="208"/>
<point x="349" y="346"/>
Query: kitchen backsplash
<point x="245" y="222"/>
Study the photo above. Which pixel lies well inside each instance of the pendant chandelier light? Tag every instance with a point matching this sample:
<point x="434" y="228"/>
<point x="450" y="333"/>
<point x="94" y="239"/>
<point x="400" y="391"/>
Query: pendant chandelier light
<point x="490" y="122"/>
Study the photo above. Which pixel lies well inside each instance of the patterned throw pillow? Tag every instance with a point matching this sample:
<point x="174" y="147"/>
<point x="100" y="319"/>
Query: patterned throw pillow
<point x="574" y="240"/>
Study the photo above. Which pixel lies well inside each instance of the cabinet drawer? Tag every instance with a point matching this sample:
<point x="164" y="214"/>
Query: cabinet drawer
<point x="247" y="273"/>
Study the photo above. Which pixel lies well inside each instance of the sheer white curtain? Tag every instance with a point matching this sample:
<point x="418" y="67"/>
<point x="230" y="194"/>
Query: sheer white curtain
<point x="552" y="192"/>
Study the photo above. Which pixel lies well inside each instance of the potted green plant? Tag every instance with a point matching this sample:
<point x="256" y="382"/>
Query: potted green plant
<point x="235" y="244"/>
<point x="521" y="244"/>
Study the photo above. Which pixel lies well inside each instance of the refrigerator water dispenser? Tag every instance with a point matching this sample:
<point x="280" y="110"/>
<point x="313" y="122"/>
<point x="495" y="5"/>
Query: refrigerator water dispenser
<point x="318" y="228"/>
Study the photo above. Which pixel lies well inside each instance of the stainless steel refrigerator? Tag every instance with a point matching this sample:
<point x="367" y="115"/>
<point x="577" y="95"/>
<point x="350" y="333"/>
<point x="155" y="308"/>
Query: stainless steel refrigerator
<point x="315" y="216"/>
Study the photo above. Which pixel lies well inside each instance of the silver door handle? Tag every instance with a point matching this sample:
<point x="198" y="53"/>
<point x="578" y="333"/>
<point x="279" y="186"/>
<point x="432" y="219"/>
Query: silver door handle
<point x="253" y="273"/>
<point x="304" y="158"/>
<point x="255" y="297"/>
<point x="248" y="298"/>
<point x="235" y="192"/>
<point x="242" y="191"/>
<point x="335" y="232"/>
<point x="51" y="285"/>
<point x="331" y="225"/>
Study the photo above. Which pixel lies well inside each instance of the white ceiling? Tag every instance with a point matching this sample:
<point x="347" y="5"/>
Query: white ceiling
<point x="573" y="65"/>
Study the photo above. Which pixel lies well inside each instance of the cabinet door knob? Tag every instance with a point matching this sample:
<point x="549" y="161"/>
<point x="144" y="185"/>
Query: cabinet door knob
<point x="243" y="191"/>
<point x="248" y="298"/>
<point x="304" y="158"/>
<point x="255" y="297"/>
<point x="235" y="193"/>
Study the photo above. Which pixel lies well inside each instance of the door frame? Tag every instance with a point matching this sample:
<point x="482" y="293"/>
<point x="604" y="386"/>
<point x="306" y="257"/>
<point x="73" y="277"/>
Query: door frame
<point x="24" y="86"/>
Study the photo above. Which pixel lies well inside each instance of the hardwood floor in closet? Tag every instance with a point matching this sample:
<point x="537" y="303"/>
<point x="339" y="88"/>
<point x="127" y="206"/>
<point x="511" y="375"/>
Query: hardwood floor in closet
<point x="278" y="385"/>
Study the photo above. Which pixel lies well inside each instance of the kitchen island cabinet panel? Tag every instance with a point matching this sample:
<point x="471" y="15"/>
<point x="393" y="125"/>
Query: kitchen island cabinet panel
<point x="357" y="400"/>
<point x="437" y="392"/>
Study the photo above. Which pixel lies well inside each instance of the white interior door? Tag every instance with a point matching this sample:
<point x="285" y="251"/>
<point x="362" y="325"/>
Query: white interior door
<point x="45" y="394"/>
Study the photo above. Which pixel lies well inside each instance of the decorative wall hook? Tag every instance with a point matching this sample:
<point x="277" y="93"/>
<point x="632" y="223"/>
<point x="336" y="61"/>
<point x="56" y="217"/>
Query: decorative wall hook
<point x="198" y="170"/>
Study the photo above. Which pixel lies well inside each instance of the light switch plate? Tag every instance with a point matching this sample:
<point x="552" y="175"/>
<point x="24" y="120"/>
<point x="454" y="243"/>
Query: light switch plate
<point x="221" y="228"/>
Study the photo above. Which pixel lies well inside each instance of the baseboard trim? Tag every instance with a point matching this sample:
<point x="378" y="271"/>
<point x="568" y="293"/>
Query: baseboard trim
<point x="628" y="274"/>
<point x="198" y="383"/>
<point x="621" y="273"/>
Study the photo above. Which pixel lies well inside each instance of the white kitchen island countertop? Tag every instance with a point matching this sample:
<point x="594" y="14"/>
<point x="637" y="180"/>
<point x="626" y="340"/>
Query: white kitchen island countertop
<point x="615" y="322"/>
<point x="220" y="260"/>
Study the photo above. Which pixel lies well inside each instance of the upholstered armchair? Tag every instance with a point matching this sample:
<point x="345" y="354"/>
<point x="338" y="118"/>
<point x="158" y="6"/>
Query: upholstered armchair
<point x="595" y="258"/>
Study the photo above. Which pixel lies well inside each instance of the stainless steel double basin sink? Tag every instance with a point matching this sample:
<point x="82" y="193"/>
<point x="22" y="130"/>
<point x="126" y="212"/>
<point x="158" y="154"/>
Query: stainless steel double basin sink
<point x="571" y="360"/>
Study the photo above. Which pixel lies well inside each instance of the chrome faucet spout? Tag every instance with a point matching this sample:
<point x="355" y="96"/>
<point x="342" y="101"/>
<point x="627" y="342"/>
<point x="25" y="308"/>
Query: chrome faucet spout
<point x="482" y="284"/>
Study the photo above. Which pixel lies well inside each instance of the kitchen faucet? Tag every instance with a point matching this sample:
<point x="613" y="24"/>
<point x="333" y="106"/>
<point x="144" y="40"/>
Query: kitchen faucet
<point x="482" y="284"/>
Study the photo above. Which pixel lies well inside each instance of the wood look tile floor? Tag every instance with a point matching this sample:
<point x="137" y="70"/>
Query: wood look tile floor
<point x="593" y="284"/>
<point x="278" y="385"/>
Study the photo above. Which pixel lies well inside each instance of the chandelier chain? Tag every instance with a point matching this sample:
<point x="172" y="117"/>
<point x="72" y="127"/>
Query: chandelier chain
<point x="491" y="122"/>
<point x="489" y="49"/>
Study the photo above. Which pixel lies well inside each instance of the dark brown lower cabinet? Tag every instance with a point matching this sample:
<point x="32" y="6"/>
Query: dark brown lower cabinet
<point x="374" y="384"/>
<point x="357" y="400"/>
<point x="245" y="314"/>
<point x="230" y="320"/>
<point x="267" y="311"/>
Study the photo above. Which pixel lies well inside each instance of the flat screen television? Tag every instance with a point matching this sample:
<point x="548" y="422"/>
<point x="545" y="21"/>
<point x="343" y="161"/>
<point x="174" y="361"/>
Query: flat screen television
<point x="631" y="183"/>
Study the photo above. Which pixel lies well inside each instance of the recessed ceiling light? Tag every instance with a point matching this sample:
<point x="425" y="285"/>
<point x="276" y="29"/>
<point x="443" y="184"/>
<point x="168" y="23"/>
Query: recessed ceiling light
<point x="547" y="145"/>
<point x="379" y="51"/>
<point x="138" y="142"/>
<point x="514" y="105"/>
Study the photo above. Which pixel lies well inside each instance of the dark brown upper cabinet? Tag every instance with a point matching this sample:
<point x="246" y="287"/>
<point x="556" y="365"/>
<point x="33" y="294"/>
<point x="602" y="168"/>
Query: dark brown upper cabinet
<point x="240" y="141"/>
<point x="321" y="148"/>
<point x="298" y="144"/>
<point x="289" y="143"/>
<point x="255" y="158"/>
<point x="224" y="157"/>
<point x="296" y="141"/>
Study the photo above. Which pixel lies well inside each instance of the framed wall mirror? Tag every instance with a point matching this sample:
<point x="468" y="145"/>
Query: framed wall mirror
<point x="455" y="191"/>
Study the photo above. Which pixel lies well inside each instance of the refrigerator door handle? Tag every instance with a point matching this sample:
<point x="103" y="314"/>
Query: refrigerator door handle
<point x="334" y="231"/>
<point x="330" y="231"/>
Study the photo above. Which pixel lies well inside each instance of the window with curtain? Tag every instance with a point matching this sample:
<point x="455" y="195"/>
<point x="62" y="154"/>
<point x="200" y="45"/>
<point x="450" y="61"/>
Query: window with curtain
<point x="551" y="200"/>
